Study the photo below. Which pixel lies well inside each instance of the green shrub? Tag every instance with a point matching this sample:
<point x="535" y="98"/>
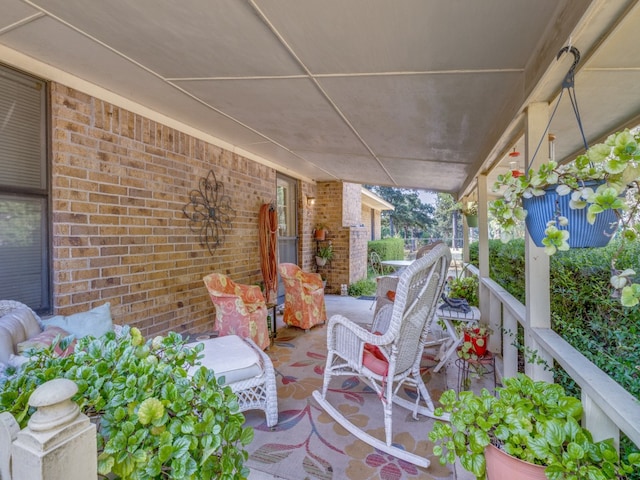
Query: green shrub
<point x="153" y="420"/>
<point x="388" y="249"/>
<point x="362" y="287"/>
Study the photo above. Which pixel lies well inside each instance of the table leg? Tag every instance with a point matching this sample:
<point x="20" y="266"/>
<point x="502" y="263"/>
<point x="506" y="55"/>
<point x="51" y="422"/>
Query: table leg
<point x="455" y="342"/>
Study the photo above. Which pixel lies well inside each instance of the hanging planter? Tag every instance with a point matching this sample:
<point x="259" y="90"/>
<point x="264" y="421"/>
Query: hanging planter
<point x="470" y="212"/>
<point x="582" y="234"/>
<point x="591" y="187"/>
<point x="320" y="232"/>
<point x="472" y="220"/>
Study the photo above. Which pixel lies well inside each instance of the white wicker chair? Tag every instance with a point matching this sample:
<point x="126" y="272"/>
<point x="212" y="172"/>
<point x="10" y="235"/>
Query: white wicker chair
<point x="259" y="392"/>
<point x="405" y="326"/>
<point x="7" y="306"/>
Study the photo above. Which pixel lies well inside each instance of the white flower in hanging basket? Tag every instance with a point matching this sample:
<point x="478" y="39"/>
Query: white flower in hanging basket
<point x="613" y="164"/>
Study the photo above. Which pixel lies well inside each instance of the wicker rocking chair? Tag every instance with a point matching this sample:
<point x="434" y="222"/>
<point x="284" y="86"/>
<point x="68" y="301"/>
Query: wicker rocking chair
<point x="389" y="355"/>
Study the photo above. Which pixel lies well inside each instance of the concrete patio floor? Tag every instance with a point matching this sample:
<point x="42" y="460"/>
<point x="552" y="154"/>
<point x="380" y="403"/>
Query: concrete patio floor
<point x="360" y="311"/>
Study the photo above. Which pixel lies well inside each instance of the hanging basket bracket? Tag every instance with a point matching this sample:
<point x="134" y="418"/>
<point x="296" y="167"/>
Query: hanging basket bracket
<point x="569" y="78"/>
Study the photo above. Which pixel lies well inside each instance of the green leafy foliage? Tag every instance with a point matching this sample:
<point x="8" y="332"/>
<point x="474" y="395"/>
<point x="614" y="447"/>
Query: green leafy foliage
<point x="388" y="249"/>
<point x="583" y="310"/>
<point x="153" y="420"/>
<point x="465" y="287"/>
<point x="534" y="421"/>
<point x="362" y="287"/>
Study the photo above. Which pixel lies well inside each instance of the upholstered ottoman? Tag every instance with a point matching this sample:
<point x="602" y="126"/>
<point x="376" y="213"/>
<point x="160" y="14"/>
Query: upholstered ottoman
<point x="247" y="370"/>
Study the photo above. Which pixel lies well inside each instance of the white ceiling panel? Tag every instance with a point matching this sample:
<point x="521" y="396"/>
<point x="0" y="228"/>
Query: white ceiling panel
<point x="351" y="168"/>
<point x="290" y="162"/>
<point x="435" y="117"/>
<point x="14" y="11"/>
<point x="415" y="174"/>
<point x="366" y="36"/>
<point x="292" y="112"/>
<point x="189" y="38"/>
<point x="433" y="89"/>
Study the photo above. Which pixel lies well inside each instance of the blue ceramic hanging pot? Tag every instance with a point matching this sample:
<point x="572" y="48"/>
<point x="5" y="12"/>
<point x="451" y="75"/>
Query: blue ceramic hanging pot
<point x="582" y="234"/>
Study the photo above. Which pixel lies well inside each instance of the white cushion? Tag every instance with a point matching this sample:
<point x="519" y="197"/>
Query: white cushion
<point x="96" y="322"/>
<point x="231" y="357"/>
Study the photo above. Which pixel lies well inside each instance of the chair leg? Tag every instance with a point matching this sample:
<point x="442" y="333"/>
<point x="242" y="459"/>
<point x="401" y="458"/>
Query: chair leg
<point x="327" y="373"/>
<point x="371" y="440"/>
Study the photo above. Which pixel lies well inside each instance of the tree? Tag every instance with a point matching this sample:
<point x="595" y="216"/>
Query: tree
<point x="444" y="213"/>
<point x="411" y="217"/>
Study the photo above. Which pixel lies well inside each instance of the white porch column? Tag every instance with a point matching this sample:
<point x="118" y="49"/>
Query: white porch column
<point x="465" y="236"/>
<point x="489" y="312"/>
<point x="536" y="261"/>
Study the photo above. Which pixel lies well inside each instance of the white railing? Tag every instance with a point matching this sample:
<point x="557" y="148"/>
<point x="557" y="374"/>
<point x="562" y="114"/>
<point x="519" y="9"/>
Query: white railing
<point x="608" y="408"/>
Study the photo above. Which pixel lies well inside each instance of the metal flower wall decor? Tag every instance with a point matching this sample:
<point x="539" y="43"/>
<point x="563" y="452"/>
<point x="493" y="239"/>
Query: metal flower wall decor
<point x="209" y="212"/>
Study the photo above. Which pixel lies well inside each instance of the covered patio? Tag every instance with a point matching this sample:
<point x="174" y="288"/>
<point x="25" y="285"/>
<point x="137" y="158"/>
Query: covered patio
<point x="140" y="100"/>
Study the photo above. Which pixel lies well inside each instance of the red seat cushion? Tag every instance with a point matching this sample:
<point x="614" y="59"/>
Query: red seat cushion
<point x="374" y="359"/>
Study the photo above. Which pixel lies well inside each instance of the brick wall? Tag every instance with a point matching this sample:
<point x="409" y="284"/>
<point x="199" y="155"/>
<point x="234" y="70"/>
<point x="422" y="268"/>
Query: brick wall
<point x="120" y="182"/>
<point x="339" y="208"/>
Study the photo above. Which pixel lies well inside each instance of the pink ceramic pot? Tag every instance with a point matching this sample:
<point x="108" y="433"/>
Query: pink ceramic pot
<point x="502" y="466"/>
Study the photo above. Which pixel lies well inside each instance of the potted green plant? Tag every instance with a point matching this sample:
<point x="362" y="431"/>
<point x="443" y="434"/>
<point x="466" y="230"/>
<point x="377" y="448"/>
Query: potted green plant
<point x="153" y="420"/>
<point x="324" y="254"/>
<point x="464" y="287"/>
<point x="320" y="231"/>
<point x="593" y="187"/>
<point x="533" y="424"/>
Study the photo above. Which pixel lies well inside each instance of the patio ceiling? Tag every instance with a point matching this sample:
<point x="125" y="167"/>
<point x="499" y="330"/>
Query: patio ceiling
<point x="411" y="93"/>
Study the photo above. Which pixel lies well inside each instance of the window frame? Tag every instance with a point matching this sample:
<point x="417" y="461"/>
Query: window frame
<point x="42" y="193"/>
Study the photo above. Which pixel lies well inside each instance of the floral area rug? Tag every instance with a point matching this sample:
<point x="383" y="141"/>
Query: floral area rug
<point x="308" y="444"/>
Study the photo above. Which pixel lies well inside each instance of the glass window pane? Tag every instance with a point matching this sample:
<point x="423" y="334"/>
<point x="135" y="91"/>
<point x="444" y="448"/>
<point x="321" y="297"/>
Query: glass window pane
<point x="22" y="141"/>
<point x="23" y="251"/>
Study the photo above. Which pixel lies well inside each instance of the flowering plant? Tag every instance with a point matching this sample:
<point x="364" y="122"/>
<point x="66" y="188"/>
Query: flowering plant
<point x="614" y="164"/>
<point x="468" y="208"/>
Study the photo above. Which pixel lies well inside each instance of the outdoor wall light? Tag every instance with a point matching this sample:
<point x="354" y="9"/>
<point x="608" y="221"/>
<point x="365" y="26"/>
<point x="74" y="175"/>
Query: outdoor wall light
<point x="311" y="201"/>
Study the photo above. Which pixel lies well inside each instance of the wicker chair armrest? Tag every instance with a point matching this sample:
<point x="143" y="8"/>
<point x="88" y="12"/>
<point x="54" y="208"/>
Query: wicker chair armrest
<point x="340" y="326"/>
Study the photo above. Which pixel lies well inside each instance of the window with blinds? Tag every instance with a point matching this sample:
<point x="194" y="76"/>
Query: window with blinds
<point x="24" y="193"/>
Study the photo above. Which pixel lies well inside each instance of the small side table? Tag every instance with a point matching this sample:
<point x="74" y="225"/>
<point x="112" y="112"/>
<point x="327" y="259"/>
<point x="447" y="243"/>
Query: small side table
<point x="455" y="339"/>
<point x="481" y="366"/>
<point x="272" y="325"/>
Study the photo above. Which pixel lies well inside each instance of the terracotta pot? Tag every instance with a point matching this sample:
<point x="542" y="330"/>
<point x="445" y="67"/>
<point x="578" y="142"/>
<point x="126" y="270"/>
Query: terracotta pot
<point x="479" y="350"/>
<point x="502" y="466"/>
<point x="320" y="234"/>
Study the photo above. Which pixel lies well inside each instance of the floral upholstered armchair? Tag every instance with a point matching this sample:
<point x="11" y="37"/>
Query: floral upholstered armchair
<point x="304" y="297"/>
<point x="240" y="309"/>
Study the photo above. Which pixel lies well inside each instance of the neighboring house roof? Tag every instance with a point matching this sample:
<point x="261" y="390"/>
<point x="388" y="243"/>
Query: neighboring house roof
<point x="375" y="202"/>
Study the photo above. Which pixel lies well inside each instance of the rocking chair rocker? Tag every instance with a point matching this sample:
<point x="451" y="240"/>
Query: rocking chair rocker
<point x="389" y="355"/>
